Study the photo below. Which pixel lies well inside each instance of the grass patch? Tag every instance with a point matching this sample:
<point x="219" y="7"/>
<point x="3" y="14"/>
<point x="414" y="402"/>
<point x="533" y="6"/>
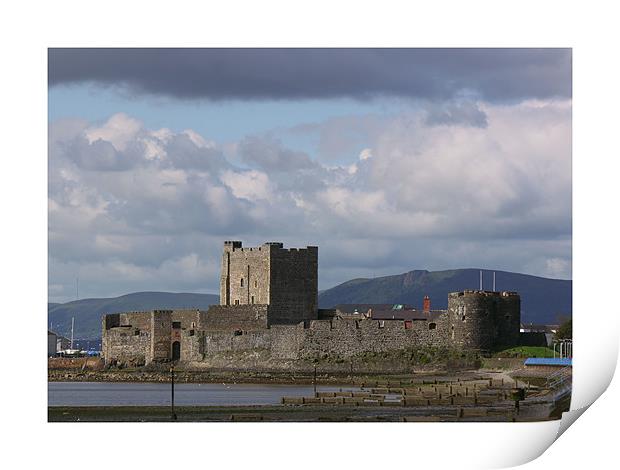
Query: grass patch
<point x="525" y="351"/>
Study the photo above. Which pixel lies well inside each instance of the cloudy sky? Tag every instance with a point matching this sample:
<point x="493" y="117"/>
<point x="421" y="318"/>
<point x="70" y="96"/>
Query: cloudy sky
<point x="388" y="160"/>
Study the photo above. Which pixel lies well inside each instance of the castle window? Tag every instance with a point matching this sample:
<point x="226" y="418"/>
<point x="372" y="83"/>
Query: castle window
<point x="255" y="283"/>
<point x="191" y="332"/>
<point x="176" y="324"/>
<point x="381" y="324"/>
<point x="241" y="282"/>
<point x="357" y="324"/>
<point x="193" y="325"/>
<point x="432" y="326"/>
<point x="463" y="318"/>
<point x="408" y="324"/>
<point x="252" y="299"/>
<point x="236" y="301"/>
<point x="238" y="332"/>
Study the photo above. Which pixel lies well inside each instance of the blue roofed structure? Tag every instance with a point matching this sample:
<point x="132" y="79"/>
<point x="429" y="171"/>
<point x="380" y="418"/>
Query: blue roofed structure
<point x="549" y="361"/>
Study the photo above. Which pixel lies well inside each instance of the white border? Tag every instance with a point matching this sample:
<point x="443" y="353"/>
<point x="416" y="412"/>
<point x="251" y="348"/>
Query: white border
<point x="30" y="28"/>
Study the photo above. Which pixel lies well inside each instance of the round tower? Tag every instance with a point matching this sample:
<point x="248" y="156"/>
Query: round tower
<point x="484" y="320"/>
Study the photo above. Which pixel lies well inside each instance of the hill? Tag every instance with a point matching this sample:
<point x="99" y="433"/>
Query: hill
<point x="87" y="312"/>
<point x="542" y="299"/>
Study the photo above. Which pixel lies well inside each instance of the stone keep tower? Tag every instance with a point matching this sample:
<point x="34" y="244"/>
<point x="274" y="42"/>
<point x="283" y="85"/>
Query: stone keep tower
<point x="284" y="279"/>
<point x="484" y="320"/>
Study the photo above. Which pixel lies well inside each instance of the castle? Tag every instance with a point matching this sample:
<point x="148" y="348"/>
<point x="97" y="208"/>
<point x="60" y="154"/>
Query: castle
<point x="269" y="302"/>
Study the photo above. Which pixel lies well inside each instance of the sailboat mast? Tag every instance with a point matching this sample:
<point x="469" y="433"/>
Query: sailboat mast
<point x="72" y="322"/>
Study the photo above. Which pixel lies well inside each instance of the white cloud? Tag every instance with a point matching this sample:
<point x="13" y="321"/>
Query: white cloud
<point x="133" y="204"/>
<point x="365" y="154"/>
<point x="119" y="129"/>
<point x="557" y="267"/>
<point x="198" y="140"/>
<point x="250" y="185"/>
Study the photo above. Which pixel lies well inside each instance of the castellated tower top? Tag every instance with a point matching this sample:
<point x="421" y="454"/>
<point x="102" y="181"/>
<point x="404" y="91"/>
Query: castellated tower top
<point x="284" y="279"/>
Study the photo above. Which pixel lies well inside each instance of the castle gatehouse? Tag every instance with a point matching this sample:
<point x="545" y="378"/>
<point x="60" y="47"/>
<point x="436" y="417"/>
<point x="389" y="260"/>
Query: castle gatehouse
<point x="268" y="302"/>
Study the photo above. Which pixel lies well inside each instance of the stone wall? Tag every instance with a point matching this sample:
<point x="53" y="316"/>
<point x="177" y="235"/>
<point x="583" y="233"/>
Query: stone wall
<point x="341" y="338"/>
<point x="161" y="330"/>
<point x="126" y="345"/>
<point x="126" y="337"/>
<point x="235" y="317"/>
<point x="192" y="345"/>
<point x="287" y="340"/>
<point x="346" y="338"/>
<point x="216" y="342"/>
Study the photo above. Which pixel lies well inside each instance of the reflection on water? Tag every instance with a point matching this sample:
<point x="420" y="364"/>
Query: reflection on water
<point x="120" y="393"/>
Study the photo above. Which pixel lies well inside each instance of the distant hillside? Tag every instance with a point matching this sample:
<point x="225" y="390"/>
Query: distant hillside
<point x="87" y="312"/>
<point x="542" y="299"/>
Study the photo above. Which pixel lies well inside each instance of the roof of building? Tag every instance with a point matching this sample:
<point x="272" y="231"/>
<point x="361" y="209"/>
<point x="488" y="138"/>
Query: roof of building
<point x="363" y="308"/>
<point x="408" y="314"/>
<point x="539" y="328"/>
<point x="549" y="361"/>
<point x="389" y="311"/>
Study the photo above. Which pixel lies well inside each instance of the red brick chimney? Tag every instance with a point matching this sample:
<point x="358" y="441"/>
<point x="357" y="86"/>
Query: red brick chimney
<point x="427" y="304"/>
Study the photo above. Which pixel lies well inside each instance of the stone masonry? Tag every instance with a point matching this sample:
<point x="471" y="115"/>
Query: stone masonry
<point x="268" y="302"/>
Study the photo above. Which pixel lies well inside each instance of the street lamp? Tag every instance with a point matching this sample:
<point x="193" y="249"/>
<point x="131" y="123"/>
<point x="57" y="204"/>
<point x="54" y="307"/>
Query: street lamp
<point x="173" y="415"/>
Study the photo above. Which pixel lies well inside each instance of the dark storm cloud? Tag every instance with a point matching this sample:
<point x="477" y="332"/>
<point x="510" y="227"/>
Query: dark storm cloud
<point x="216" y="74"/>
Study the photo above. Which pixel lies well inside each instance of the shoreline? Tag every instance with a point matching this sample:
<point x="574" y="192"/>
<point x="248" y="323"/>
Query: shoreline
<point x="253" y="377"/>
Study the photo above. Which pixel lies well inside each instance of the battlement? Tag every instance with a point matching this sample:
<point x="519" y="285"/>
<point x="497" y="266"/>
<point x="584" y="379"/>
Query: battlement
<point x="274" y="244"/>
<point x="232" y="244"/>
<point x="237" y="246"/>
<point x="482" y="293"/>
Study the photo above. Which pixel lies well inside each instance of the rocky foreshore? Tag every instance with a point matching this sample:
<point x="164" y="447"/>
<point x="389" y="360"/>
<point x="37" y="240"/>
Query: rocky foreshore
<point x="194" y="376"/>
<point x="180" y="376"/>
<point x="93" y="370"/>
